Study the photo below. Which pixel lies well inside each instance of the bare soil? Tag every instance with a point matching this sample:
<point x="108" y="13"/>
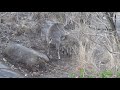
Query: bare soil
<point x="54" y="69"/>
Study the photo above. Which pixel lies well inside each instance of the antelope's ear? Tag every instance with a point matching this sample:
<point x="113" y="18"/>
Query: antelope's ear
<point x="67" y="33"/>
<point x="64" y="37"/>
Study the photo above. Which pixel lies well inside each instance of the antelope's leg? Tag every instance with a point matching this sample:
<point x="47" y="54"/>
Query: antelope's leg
<point x="63" y="52"/>
<point x="58" y="49"/>
<point x="58" y="54"/>
<point x="48" y="47"/>
<point x="67" y="51"/>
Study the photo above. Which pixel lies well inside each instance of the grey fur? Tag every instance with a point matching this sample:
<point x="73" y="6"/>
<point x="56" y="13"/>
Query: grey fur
<point x="55" y="35"/>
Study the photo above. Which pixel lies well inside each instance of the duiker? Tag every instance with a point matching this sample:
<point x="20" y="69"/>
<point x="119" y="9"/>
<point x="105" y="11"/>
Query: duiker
<point x="54" y="34"/>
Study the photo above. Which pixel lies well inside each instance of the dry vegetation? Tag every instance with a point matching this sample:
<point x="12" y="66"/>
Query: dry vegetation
<point x="96" y="40"/>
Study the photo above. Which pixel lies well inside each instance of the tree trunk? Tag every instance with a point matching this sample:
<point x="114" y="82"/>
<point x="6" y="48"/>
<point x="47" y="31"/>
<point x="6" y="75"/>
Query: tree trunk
<point x="109" y="17"/>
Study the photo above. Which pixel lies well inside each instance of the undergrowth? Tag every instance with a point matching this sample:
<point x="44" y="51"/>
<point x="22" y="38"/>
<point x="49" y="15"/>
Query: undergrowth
<point x="102" y="74"/>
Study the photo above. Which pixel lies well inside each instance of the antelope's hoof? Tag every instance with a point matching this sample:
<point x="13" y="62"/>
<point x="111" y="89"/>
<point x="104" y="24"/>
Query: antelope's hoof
<point x="50" y="57"/>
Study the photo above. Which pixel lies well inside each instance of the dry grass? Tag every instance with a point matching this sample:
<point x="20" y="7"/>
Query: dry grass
<point x="97" y="49"/>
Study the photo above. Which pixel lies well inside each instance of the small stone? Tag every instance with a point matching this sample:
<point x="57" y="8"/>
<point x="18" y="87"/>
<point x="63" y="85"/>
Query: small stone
<point x="35" y="73"/>
<point x="26" y="75"/>
<point x="4" y="59"/>
<point x="12" y="66"/>
<point x="42" y="74"/>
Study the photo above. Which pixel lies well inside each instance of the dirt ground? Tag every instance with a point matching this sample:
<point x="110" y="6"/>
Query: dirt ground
<point x="54" y="69"/>
<point x="31" y="39"/>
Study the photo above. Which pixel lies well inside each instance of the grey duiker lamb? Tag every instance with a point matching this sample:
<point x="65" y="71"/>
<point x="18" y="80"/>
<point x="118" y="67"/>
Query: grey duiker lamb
<point x="54" y="34"/>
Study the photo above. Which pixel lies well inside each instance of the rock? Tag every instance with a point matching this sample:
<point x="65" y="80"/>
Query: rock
<point x="6" y="72"/>
<point x="16" y="53"/>
<point x="3" y="66"/>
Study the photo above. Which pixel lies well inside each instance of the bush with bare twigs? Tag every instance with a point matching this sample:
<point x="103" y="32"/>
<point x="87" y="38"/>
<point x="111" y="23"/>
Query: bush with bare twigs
<point x="93" y="40"/>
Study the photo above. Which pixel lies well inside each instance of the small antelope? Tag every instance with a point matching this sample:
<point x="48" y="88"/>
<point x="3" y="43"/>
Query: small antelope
<point x="54" y="35"/>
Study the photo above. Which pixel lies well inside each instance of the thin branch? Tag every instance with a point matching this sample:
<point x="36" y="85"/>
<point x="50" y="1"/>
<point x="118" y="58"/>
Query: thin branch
<point x="104" y="46"/>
